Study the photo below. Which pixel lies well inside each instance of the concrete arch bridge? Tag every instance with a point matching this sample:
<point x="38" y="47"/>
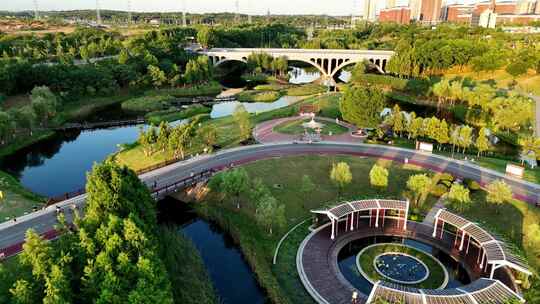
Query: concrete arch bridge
<point x="328" y="62"/>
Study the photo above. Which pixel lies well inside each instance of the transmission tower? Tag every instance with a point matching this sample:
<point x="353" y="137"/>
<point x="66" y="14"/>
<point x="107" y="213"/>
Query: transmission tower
<point x="184" y="20"/>
<point x="237" y="7"/>
<point x="98" y="13"/>
<point x="130" y="15"/>
<point x="250" y="20"/>
<point x="36" y="10"/>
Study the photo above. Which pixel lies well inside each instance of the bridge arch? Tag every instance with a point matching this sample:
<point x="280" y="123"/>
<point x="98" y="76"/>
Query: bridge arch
<point x="379" y="64"/>
<point x="223" y="60"/>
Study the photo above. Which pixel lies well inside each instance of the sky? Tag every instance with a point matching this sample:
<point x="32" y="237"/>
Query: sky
<point x="330" y="7"/>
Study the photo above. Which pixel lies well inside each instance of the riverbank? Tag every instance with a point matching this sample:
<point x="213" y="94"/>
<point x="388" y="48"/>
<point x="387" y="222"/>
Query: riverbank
<point x="188" y="275"/>
<point x="16" y="200"/>
<point x="283" y="179"/>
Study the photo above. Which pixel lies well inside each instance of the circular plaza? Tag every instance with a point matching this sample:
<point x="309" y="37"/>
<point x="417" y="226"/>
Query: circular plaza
<point x="365" y="251"/>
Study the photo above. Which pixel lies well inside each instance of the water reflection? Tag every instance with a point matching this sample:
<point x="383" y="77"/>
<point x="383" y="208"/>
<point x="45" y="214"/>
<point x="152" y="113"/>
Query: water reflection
<point x="59" y="164"/>
<point x="230" y="274"/>
<point x="227" y="108"/>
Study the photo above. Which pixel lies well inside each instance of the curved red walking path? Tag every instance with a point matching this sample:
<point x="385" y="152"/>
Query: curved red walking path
<point x="264" y="132"/>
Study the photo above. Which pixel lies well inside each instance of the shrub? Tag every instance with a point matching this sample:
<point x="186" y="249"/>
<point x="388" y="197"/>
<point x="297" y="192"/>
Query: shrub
<point x="378" y="176"/>
<point x="147" y="103"/>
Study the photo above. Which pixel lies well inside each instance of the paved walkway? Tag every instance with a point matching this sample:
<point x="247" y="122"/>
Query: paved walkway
<point x="430" y="217"/>
<point x="264" y="132"/>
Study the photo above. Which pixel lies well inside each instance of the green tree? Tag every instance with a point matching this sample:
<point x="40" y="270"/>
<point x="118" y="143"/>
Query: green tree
<point x="362" y="106"/>
<point x="419" y="184"/>
<point x="22" y="292"/>
<point x="397" y="119"/>
<point x="415" y="127"/>
<point x="378" y="176"/>
<point x="44" y="104"/>
<point x="307" y="187"/>
<point x="6" y="127"/>
<point x="163" y="136"/>
<point x="460" y="196"/>
<point x="358" y="72"/>
<point x="465" y="137"/>
<point x="441" y="135"/>
<point x="498" y="193"/>
<point x="340" y="175"/>
<point x="257" y="191"/>
<point x="442" y="90"/>
<point x="209" y="135"/>
<point x="241" y="117"/>
<point x="517" y="68"/>
<point x="270" y="214"/>
<point x="234" y="183"/>
<point x="157" y="76"/>
<point x="206" y="36"/>
<point x="482" y="142"/>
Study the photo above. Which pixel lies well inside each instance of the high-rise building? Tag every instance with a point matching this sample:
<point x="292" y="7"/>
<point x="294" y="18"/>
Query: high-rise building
<point x="430" y="11"/>
<point x="416" y="9"/>
<point x="370" y="8"/>
<point x="537" y="8"/>
<point x="401" y="15"/>
<point x="525" y="7"/>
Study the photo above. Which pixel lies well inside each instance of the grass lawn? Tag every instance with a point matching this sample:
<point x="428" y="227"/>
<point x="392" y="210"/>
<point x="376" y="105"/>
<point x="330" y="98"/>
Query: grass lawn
<point x="305" y="90"/>
<point x="259" y="96"/>
<point x="295" y="127"/>
<point x="17" y="200"/>
<point x="436" y="275"/>
<point x="283" y="177"/>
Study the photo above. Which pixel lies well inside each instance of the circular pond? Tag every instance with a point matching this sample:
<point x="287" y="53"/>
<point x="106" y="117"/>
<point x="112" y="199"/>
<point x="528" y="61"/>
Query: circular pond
<point x="401" y="268"/>
<point x="401" y="264"/>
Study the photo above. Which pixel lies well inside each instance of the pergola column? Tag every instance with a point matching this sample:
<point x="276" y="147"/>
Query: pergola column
<point x="492" y="271"/>
<point x="468" y="243"/>
<point x="333" y="235"/>
<point x="377" y="220"/>
<point x="442" y="230"/>
<point x="462" y="241"/>
<point x="435" y="227"/>
<point x="483" y="258"/>
<point x="352" y="221"/>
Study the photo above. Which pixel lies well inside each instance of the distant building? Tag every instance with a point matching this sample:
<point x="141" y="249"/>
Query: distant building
<point x="401" y="15"/>
<point x="390" y="3"/>
<point x="458" y="13"/>
<point x="430" y="11"/>
<point x="525" y="7"/>
<point x="370" y="10"/>
<point x="416" y="9"/>
<point x="487" y="18"/>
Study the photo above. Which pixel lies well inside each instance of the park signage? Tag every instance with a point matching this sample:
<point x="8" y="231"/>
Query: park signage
<point x="424" y="147"/>
<point x="515" y="170"/>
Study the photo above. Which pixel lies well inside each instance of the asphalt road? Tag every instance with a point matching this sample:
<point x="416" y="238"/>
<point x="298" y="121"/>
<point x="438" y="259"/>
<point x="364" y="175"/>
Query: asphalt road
<point x="43" y="221"/>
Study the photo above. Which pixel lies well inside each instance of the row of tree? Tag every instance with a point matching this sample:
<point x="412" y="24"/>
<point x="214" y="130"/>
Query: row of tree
<point x="264" y="63"/>
<point x="42" y="109"/>
<point x="234" y="183"/>
<point x="487" y="105"/>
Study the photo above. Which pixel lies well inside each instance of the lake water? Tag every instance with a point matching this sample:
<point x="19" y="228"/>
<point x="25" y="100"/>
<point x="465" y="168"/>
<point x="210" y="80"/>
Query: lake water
<point x="228" y="108"/>
<point x="59" y="164"/>
<point x="230" y="274"/>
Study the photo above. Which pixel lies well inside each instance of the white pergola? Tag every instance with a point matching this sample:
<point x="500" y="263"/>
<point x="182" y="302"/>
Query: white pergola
<point x="491" y="251"/>
<point x="480" y="291"/>
<point x="376" y="208"/>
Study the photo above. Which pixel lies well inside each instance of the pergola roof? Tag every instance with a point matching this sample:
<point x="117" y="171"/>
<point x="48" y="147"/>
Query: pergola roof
<point x="496" y="251"/>
<point x="363" y="205"/>
<point x="479" y="291"/>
